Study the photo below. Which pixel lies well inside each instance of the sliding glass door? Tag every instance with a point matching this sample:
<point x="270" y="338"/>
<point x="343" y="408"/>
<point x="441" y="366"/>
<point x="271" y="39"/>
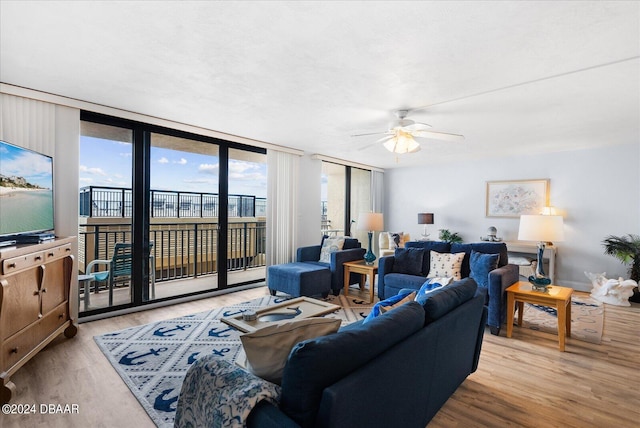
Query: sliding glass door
<point x="189" y="209"/>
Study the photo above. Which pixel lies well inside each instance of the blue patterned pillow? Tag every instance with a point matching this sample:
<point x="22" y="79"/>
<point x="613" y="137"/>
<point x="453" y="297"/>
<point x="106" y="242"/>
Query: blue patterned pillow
<point x="390" y="303"/>
<point x="481" y="264"/>
<point x="430" y="285"/>
<point x="408" y="261"/>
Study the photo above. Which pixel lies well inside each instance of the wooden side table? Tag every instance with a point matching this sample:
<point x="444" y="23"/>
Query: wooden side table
<point x="555" y="297"/>
<point x="364" y="270"/>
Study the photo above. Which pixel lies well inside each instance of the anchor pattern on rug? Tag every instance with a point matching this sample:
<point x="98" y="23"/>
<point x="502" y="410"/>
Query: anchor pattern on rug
<point x="166" y="405"/>
<point x="170" y="332"/>
<point x="129" y="359"/>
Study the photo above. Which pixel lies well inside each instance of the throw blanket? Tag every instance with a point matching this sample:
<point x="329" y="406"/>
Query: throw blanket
<point x="217" y="393"/>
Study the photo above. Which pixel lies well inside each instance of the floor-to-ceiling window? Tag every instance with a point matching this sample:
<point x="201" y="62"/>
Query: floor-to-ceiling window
<point x="345" y="193"/>
<point x="188" y="209"/>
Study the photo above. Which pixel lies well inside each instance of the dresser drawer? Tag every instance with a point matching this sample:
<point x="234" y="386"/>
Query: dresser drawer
<point x="16" y="264"/>
<point x="57" y="252"/>
<point x="23" y="342"/>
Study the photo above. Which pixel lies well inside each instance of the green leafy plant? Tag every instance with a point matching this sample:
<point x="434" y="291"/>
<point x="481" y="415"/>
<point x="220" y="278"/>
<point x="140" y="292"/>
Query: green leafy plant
<point x="447" y="236"/>
<point x="627" y="250"/>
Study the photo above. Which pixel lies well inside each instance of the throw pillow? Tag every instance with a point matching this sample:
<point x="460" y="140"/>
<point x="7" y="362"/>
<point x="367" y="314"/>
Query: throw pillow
<point x="446" y="265"/>
<point x="395" y="238"/>
<point x="390" y="303"/>
<point x="268" y="348"/>
<point x="481" y="264"/>
<point x="330" y="245"/>
<point x="430" y="285"/>
<point x="408" y="261"/>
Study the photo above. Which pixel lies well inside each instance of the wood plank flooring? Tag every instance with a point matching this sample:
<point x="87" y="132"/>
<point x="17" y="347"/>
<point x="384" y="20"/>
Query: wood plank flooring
<point x="523" y="381"/>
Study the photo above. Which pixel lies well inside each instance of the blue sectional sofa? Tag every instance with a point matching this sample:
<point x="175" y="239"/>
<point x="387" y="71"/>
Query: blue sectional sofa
<point x="351" y="251"/>
<point x="393" y="277"/>
<point x="396" y="370"/>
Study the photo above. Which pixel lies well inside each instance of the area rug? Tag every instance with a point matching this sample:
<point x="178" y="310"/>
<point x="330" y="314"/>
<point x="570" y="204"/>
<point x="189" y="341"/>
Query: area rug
<point x="587" y="319"/>
<point x="153" y="359"/>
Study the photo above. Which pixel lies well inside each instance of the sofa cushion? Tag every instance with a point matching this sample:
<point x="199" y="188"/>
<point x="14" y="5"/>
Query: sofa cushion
<point x="430" y="285"/>
<point x="445" y="265"/>
<point x="390" y="303"/>
<point x="481" y="247"/>
<point x="350" y="243"/>
<point x="428" y="246"/>
<point x="317" y="363"/>
<point x="267" y="349"/>
<point x="330" y="245"/>
<point x="481" y="264"/>
<point x="408" y="261"/>
<point x="442" y="300"/>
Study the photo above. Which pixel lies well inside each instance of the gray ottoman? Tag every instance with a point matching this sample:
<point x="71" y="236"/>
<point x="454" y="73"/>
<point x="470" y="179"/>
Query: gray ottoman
<point x="299" y="279"/>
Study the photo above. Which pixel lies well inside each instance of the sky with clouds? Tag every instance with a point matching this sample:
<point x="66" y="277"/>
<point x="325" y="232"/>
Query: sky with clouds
<point x="108" y="163"/>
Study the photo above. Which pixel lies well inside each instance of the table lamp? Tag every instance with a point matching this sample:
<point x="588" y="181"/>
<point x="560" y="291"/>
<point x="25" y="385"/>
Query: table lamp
<point x="370" y="222"/>
<point x="425" y="218"/>
<point x="545" y="229"/>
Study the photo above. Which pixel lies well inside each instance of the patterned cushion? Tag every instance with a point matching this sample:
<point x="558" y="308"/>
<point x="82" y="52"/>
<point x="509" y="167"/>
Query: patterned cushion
<point x="395" y="239"/>
<point x="330" y="245"/>
<point x="446" y="265"/>
<point x="389" y="304"/>
<point x="430" y="285"/>
<point x="268" y="348"/>
<point x="481" y="264"/>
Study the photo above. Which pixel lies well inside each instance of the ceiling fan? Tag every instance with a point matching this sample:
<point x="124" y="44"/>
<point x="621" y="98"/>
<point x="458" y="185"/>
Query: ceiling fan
<point x="401" y="135"/>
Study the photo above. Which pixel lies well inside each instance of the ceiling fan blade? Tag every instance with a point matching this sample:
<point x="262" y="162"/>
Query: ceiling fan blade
<point x="438" y="135"/>
<point x="417" y="126"/>
<point x="388" y="137"/>
<point x="370" y="133"/>
<point x="368" y="146"/>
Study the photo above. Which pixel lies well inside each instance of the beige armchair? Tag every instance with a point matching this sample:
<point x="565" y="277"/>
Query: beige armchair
<point x="385" y="243"/>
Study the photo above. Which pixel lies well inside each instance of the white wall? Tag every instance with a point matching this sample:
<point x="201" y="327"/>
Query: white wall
<point x="596" y="190"/>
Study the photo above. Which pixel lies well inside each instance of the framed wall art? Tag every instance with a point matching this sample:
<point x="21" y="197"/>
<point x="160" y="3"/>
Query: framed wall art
<point x="516" y="197"/>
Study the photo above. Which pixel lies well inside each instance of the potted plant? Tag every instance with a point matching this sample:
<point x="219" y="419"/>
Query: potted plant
<point x="627" y="250"/>
<point x="447" y="236"/>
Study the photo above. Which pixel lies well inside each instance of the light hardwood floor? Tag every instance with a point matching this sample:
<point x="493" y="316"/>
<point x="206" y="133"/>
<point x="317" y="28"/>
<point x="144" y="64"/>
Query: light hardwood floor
<point x="522" y="381"/>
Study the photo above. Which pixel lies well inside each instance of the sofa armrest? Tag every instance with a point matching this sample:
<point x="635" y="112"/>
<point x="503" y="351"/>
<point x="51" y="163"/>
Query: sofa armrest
<point x="385" y="266"/>
<point x="337" y="269"/>
<point x="308" y="254"/>
<point x="266" y="415"/>
<point x="499" y="280"/>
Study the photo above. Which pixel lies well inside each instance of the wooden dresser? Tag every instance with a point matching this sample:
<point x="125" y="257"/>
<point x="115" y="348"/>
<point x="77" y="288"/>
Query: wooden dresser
<point x="35" y="282"/>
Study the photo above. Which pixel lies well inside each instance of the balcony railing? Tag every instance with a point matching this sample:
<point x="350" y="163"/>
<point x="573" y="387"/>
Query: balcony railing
<point x="98" y="201"/>
<point x="181" y="250"/>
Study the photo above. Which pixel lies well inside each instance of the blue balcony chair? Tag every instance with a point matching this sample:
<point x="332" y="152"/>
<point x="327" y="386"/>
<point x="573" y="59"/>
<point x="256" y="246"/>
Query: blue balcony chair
<point x="119" y="268"/>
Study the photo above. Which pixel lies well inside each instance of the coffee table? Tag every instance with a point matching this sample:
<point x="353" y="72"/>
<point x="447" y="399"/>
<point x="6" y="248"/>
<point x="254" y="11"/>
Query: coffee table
<point x="555" y="296"/>
<point x="298" y="308"/>
<point x="359" y="266"/>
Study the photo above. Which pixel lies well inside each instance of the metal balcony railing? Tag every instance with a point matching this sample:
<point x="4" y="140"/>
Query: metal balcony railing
<point x="180" y="250"/>
<point x="99" y="201"/>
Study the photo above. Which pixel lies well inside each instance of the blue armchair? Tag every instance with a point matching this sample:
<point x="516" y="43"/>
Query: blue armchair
<point x="351" y="251"/>
<point x="391" y="278"/>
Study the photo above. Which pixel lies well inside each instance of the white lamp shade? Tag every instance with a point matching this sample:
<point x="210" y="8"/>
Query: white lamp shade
<point x="541" y="228"/>
<point x="370" y="221"/>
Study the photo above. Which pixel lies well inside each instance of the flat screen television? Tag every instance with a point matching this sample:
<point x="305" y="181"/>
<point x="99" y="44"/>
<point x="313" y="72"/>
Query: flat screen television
<point x="26" y="192"/>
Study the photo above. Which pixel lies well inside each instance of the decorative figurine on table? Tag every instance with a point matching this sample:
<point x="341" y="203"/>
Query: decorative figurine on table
<point x="491" y="235"/>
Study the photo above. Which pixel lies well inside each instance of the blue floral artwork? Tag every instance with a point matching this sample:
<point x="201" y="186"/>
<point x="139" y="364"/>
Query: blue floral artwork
<point x="515" y="198"/>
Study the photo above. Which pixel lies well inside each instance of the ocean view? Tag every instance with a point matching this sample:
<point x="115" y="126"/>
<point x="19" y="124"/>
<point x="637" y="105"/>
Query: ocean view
<point x="26" y="210"/>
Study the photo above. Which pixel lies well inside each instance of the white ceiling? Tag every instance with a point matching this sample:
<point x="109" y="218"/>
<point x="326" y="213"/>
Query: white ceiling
<point x="512" y="76"/>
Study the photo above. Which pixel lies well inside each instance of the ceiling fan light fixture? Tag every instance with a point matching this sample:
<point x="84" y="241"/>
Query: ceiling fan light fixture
<point x="401" y="143"/>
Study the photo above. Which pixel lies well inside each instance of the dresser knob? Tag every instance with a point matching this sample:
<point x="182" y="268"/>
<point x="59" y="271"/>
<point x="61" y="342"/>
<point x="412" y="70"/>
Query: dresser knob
<point x="50" y="255"/>
<point x="14" y="350"/>
<point x="38" y="258"/>
<point x="12" y="265"/>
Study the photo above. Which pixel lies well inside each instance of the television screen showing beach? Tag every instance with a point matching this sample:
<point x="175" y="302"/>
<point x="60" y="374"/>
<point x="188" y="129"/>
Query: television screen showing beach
<point x="26" y="190"/>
